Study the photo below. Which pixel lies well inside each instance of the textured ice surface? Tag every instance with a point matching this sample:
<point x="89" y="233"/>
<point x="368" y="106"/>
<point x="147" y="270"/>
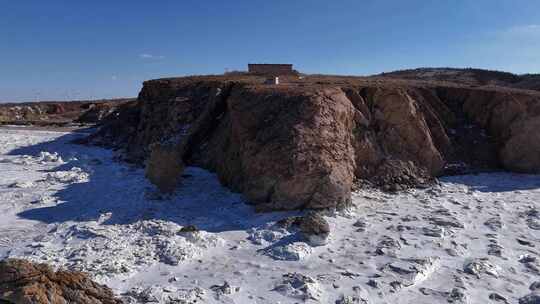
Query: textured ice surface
<point x="471" y="239"/>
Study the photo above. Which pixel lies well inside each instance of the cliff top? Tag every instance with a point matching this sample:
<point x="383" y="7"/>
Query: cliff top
<point x="308" y="83"/>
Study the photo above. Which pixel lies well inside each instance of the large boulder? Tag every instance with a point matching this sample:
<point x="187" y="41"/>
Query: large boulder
<point x="22" y="282"/>
<point x="164" y="167"/>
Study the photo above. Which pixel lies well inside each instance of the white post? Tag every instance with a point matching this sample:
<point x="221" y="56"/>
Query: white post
<point x="276" y="81"/>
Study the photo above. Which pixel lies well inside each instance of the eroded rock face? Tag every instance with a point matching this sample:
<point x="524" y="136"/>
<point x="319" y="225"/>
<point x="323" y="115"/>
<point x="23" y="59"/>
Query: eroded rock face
<point x="284" y="151"/>
<point x="164" y="167"/>
<point x="22" y="282"/>
<point x="521" y="152"/>
<point x="511" y="118"/>
<point x="304" y="147"/>
<point x="398" y="142"/>
<point x="404" y="131"/>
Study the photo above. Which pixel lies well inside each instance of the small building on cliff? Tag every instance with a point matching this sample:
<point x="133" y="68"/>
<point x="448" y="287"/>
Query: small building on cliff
<point x="271" y="69"/>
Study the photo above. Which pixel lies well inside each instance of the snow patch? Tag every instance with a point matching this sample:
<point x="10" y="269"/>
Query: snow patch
<point x="165" y="295"/>
<point x="299" y="286"/>
<point x="106" y="251"/>
<point x="46" y="157"/>
<point x="296" y="251"/>
<point x="101" y="218"/>
<point x="74" y="175"/>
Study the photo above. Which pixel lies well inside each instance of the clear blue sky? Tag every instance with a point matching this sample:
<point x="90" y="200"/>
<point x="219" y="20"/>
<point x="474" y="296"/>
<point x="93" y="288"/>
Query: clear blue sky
<point x="53" y="49"/>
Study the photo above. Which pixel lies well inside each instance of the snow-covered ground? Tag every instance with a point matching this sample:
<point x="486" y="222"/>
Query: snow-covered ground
<point x="472" y="239"/>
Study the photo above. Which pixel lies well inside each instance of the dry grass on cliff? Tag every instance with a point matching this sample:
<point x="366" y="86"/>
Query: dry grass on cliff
<point x="304" y="83"/>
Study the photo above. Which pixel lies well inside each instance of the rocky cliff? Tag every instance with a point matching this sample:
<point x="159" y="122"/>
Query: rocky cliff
<point x="305" y="143"/>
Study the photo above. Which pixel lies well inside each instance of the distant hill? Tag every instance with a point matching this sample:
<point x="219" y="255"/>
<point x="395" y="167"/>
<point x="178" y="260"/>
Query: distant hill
<point x="469" y="76"/>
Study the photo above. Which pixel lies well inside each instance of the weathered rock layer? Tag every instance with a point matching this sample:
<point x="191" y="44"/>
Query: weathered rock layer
<point x="22" y="282"/>
<point x="303" y="145"/>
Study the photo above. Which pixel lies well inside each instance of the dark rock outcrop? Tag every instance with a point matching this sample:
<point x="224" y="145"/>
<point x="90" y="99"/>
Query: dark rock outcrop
<point x="303" y="145"/>
<point x="509" y="118"/>
<point x="22" y="282"/>
<point x="164" y="167"/>
<point x="58" y="113"/>
<point x="95" y="112"/>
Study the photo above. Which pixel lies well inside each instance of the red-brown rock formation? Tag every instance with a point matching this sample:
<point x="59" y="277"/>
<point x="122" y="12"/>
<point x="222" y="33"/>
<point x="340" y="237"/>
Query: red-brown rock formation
<point x="303" y="144"/>
<point x="22" y="282"/>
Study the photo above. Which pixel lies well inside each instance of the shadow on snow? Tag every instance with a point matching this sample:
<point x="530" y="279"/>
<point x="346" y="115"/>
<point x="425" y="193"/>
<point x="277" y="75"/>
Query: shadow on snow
<point x="118" y="193"/>
<point x="496" y="182"/>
